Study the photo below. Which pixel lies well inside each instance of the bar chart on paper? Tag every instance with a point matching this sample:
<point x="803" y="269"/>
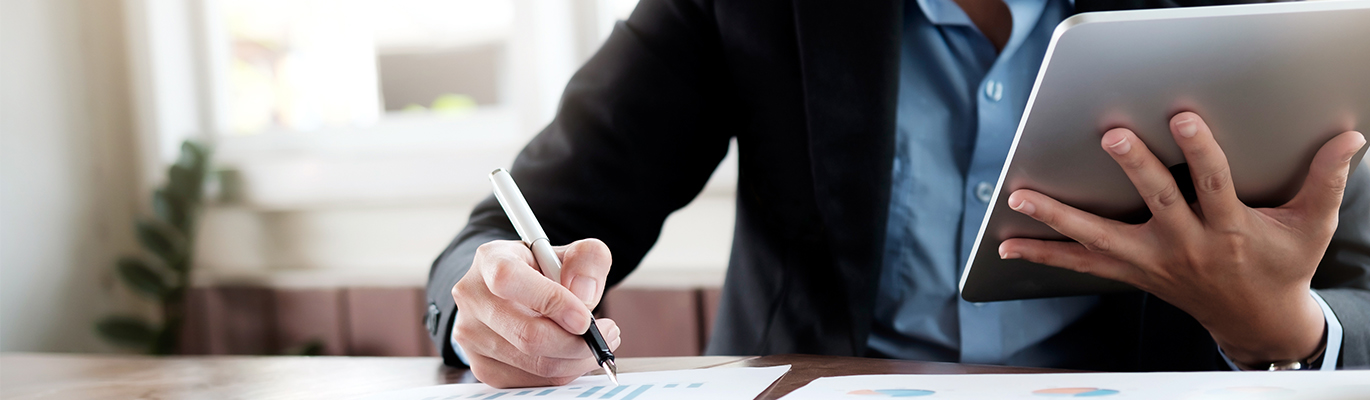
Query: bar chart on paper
<point x="712" y="384"/>
<point x="625" y="392"/>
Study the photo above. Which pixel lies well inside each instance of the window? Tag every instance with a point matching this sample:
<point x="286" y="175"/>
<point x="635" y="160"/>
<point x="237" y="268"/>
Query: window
<point x="322" y="101"/>
<point x="358" y="133"/>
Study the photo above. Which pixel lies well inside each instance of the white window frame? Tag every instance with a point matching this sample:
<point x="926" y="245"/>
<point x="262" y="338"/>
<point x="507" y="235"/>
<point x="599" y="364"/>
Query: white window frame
<point x="177" y="66"/>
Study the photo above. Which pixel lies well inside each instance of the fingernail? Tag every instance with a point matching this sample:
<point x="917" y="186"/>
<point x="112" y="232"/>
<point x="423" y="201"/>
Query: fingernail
<point x="576" y="322"/>
<point x="1187" y="127"/>
<point x="1023" y="207"/>
<point x="1353" y="153"/>
<point x="584" y="288"/>
<point x="1005" y="254"/>
<point x="1120" y="148"/>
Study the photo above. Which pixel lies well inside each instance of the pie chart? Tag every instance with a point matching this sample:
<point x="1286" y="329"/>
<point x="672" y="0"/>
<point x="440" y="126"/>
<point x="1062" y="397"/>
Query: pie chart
<point x="1075" y="392"/>
<point x="892" y="392"/>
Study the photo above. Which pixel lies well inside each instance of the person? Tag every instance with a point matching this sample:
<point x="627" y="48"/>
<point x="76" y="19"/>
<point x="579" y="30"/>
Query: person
<point x="867" y="133"/>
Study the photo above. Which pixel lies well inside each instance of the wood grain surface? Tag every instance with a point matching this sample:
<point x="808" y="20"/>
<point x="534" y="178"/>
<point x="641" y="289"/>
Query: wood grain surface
<point x="72" y="376"/>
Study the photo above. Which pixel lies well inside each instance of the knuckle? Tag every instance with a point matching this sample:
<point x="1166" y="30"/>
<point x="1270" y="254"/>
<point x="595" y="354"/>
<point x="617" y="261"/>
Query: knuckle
<point x="463" y="331"/>
<point x="1215" y="182"/>
<point x="486" y="249"/>
<point x="545" y="302"/>
<point x="1166" y="197"/>
<point x="547" y="367"/>
<point x="530" y="340"/>
<point x="499" y="276"/>
<point x="1046" y="214"/>
<point x="1133" y="162"/>
<point x="1098" y="244"/>
<point x="1084" y="268"/>
<point x="1198" y="152"/>
<point x="1337" y="184"/>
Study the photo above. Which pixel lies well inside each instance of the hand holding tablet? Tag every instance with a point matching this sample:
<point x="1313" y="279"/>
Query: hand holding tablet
<point x="1230" y="266"/>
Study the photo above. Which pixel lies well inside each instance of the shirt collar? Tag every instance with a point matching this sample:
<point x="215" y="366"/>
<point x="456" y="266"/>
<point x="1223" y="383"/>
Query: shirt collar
<point x="946" y="12"/>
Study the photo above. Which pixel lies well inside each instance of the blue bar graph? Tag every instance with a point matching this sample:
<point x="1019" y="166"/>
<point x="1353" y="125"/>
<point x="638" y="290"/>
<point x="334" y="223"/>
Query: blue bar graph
<point x="613" y="392"/>
<point x="627" y="392"/>
<point x="633" y="394"/>
<point x="590" y="392"/>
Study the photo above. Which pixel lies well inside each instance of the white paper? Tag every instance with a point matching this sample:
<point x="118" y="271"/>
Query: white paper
<point x="1108" y="386"/>
<point x="708" y="384"/>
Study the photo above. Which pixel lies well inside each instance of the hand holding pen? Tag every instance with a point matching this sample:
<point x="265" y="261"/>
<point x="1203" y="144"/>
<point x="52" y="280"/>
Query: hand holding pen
<point x="520" y="328"/>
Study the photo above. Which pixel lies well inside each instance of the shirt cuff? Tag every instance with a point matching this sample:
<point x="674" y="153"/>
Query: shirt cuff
<point x="1332" y="353"/>
<point x="461" y="355"/>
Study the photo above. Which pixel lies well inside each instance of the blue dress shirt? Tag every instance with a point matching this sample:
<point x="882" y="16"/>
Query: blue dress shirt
<point x="959" y="108"/>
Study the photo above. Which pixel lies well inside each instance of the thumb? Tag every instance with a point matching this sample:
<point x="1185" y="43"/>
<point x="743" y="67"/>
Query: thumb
<point x="585" y="269"/>
<point x="1322" y="189"/>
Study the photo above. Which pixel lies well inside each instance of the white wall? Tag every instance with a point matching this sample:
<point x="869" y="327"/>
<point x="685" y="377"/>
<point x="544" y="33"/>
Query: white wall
<point x="66" y="182"/>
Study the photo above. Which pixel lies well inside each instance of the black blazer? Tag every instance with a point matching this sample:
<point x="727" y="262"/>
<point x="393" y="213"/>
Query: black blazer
<point x="808" y="89"/>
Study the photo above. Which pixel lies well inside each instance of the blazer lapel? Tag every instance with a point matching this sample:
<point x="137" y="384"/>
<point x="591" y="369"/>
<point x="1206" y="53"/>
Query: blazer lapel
<point x="849" y="59"/>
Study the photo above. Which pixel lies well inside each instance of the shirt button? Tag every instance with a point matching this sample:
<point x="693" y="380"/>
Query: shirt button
<point x="984" y="191"/>
<point x="994" y="90"/>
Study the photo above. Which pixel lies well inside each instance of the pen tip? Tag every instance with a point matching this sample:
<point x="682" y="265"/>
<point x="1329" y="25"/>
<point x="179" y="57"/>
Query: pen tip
<point x="611" y="370"/>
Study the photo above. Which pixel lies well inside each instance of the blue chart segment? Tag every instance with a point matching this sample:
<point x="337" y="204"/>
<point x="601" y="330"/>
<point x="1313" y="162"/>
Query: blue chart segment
<point x="625" y="392"/>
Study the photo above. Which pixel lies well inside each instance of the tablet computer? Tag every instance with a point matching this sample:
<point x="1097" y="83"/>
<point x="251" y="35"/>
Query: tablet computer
<point x="1274" y="82"/>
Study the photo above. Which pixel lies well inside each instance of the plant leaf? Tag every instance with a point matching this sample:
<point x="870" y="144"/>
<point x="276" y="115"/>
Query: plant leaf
<point x="139" y="276"/>
<point x="171" y="208"/>
<point x="126" y="331"/>
<point x="185" y="183"/>
<point x="163" y="240"/>
<point x="193" y="155"/>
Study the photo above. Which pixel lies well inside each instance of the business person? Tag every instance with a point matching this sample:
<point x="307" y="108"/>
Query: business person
<point x="870" y="134"/>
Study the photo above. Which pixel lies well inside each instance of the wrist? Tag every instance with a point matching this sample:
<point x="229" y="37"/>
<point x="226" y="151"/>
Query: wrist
<point x="1293" y="331"/>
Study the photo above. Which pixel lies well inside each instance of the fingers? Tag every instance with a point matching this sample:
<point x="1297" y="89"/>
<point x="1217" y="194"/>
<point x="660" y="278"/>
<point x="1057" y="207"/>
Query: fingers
<point x="1209" y="169"/>
<point x="1071" y="256"/>
<point x="1152" y="179"/>
<point x="508" y="272"/>
<point x="1322" y="190"/>
<point x="494" y="373"/>
<point x="584" y="269"/>
<point x="527" y="330"/>
<point x="1095" y="233"/>
<point x="477" y="338"/>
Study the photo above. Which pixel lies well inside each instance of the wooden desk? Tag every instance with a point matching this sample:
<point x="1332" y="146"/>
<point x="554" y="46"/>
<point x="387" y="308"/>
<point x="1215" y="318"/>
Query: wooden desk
<point x="34" y="376"/>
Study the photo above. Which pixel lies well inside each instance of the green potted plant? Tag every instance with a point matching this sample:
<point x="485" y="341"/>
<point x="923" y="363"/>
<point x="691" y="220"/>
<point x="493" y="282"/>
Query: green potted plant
<point x="162" y="272"/>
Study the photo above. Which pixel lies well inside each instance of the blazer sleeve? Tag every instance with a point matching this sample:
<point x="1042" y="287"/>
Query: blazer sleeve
<point x="1343" y="277"/>
<point x="640" y="128"/>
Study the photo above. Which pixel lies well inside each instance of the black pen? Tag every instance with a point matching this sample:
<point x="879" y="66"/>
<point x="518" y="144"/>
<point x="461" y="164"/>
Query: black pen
<point x="516" y="207"/>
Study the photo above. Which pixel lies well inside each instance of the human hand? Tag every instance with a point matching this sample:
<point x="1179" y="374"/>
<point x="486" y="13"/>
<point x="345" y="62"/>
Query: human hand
<point x="1243" y="273"/>
<point x="519" y="328"/>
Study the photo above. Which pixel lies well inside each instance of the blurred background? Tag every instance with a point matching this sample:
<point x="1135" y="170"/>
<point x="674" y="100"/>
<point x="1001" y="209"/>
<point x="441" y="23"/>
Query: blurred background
<point x="347" y="139"/>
